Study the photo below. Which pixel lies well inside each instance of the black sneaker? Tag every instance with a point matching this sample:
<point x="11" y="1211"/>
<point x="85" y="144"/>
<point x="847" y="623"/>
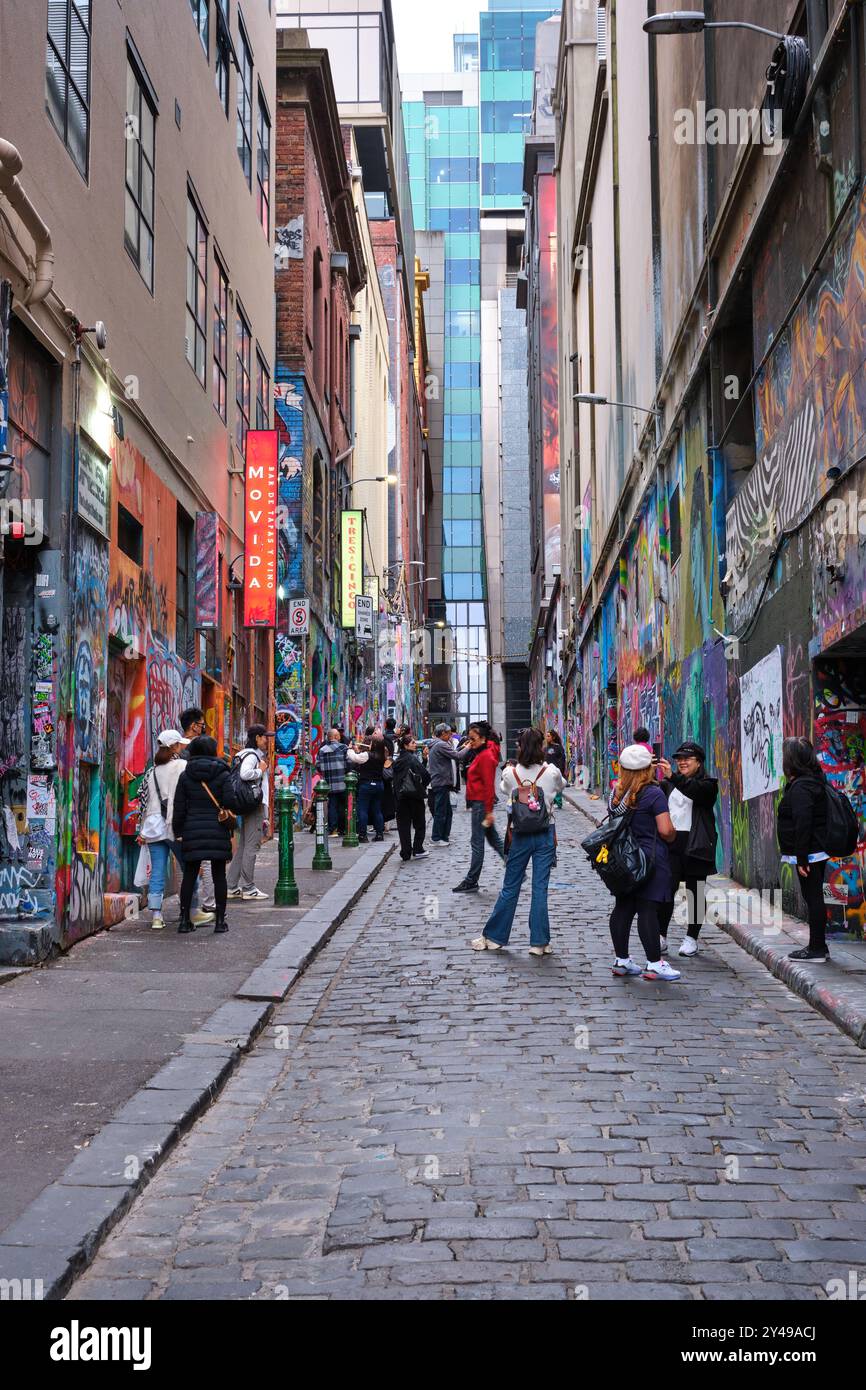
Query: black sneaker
<point x="465" y="888"/>
<point x="812" y="957"/>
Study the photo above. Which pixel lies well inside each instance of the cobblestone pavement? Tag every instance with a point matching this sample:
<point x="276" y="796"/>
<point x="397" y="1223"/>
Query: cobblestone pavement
<point x="422" y="1121"/>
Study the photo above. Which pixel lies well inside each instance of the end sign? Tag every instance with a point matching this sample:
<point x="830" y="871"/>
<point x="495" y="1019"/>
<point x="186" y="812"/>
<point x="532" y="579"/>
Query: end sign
<point x="299" y="617"/>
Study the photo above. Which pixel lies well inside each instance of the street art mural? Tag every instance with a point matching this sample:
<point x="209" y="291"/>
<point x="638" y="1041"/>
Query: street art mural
<point x="840" y="743"/>
<point x="549" y="366"/>
<point x="288" y="662"/>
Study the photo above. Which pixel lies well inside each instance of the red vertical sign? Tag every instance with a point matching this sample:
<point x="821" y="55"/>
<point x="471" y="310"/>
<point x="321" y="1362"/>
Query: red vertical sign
<point x="260" y="530"/>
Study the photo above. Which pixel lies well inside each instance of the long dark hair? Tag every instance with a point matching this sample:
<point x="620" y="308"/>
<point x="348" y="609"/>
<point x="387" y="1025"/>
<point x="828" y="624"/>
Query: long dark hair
<point x="254" y="732"/>
<point x="530" y="749"/>
<point x="553" y="737"/>
<point x="378" y="751"/>
<point x="203" y="747"/>
<point x="798" y="760"/>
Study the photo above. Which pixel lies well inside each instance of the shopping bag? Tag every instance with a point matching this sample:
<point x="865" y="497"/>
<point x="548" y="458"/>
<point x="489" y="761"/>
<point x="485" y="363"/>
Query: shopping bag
<point x="142" y="868"/>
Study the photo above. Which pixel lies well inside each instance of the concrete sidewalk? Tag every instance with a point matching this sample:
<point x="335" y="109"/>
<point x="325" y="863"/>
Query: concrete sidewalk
<point x="837" y="989"/>
<point x="134" y="1024"/>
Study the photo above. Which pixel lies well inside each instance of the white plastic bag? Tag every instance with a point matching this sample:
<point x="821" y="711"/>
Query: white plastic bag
<point x="142" y="868"/>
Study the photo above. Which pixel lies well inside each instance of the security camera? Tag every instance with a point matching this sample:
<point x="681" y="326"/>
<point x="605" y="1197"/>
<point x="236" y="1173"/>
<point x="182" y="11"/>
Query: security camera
<point x="101" y="335"/>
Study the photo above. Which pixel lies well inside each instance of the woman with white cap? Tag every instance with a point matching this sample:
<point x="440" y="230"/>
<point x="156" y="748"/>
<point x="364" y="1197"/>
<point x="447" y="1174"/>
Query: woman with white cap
<point x="637" y="795"/>
<point x="156" y="806"/>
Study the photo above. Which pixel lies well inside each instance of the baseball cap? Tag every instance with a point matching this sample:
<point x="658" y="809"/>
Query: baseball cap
<point x="169" y="737"/>
<point x="691" y="750"/>
<point x="635" y="757"/>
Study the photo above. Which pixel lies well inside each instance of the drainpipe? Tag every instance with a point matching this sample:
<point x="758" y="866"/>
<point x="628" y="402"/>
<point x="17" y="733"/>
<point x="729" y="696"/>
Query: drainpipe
<point x="42" y="274"/>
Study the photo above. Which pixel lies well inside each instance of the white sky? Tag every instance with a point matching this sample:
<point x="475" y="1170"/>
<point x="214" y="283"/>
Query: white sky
<point x="425" y="31"/>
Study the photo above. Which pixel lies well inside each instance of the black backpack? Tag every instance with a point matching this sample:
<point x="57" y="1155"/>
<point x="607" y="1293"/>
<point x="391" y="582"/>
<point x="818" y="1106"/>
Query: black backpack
<point x="247" y="796"/>
<point x="412" y="785"/>
<point x="620" y="862"/>
<point x="529" y="813"/>
<point x="843" y="830"/>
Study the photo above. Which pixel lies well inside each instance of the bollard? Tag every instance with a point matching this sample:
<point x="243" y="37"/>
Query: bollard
<point x="321" y="859"/>
<point x="286" y="892"/>
<point x="350" y="839"/>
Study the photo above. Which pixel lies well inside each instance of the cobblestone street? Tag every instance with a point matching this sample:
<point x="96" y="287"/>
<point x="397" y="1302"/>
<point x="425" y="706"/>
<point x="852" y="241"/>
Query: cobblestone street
<point x="421" y="1121"/>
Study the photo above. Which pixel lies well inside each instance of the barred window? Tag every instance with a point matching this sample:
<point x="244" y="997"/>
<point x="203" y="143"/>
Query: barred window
<point x="67" y="75"/>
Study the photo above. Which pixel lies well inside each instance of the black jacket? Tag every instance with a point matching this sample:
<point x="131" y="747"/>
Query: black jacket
<point x="405" y="783"/>
<point x="195" y="821"/>
<point x="554" y="754"/>
<point x="703" y="791"/>
<point x="801" y="820"/>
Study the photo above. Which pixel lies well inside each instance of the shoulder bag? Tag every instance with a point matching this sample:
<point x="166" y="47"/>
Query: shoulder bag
<point x="226" y="818"/>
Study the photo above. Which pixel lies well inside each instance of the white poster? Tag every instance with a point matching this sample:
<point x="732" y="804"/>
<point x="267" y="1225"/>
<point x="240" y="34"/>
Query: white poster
<point x="761" y="726"/>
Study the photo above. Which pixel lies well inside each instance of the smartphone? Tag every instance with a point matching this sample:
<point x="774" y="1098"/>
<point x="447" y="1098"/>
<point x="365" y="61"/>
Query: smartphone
<point x="657" y="752"/>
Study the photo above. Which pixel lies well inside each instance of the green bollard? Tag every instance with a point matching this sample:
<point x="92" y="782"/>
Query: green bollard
<point x="321" y="859"/>
<point x="350" y="839"/>
<point x="286" y="892"/>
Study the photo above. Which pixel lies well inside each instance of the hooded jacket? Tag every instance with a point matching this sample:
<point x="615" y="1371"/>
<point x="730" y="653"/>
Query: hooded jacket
<point x="481" y="777"/>
<point x="801" y="820"/>
<point x="443" y="764"/>
<point x="195" y="820"/>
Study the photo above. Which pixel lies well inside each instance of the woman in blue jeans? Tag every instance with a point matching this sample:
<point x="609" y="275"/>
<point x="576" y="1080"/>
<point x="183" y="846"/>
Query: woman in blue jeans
<point x="156" y="807"/>
<point x="371" y="759"/>
<point x="539" y="849"/>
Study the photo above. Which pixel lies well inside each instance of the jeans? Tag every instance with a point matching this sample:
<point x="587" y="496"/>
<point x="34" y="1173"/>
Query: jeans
<point x="337" y="813"/>
<point x="443" y="814"/>
<point x="412" y="825"/>
<point x="241" y="872"/>
<point x="160" y="852"/>
<point x="540" y="849"/>
<point x="370" y="807"/>
<point x="480" y="833"/>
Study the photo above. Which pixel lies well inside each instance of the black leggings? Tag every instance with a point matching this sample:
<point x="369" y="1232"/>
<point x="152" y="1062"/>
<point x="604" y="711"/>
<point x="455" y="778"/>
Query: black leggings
<point x="696" y="902"/>
<point x="191" y="871"/>
<point x="647" y="924"/>
<point x="812" y="889"/>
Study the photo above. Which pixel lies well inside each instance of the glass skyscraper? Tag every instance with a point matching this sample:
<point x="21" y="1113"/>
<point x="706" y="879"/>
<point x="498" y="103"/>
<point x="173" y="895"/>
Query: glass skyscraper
<point x="507" y="76"/>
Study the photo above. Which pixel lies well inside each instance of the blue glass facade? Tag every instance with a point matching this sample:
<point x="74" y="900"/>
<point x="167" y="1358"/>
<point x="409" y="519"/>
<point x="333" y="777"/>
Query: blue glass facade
<point x="507" y="76"/>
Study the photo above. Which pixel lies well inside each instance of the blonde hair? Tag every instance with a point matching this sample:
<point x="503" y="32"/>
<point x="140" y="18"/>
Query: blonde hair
<point x="631" y="783"/>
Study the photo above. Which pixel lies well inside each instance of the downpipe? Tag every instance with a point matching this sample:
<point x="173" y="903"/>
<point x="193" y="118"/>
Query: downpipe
<point x="42" y="271"/>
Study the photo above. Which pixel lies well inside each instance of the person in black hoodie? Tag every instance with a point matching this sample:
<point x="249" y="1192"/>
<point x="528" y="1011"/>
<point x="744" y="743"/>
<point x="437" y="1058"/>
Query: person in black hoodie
<point x="692" y="795"/>
<point x="801" y="825"/>
<point x="411" y="780"/>
<point x="202" y="792"/>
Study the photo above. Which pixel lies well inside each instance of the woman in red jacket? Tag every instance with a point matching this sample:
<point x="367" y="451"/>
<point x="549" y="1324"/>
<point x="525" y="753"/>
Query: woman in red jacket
<point x="480" y="797"/>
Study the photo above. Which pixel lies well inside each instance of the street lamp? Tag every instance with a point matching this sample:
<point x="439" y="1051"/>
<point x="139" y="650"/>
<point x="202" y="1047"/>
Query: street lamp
<point x="390" y="478"/>
<point x="590" y="398"/>
<point x="695" y="21"/>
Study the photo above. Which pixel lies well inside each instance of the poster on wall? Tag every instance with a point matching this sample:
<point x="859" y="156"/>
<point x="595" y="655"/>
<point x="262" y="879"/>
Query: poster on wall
<point x="93" y="487"/>
<point x="353" y="564"/>
<point x="761" y="726"/>
<point x="206" y="570"/>
<point x="260" y="530"/>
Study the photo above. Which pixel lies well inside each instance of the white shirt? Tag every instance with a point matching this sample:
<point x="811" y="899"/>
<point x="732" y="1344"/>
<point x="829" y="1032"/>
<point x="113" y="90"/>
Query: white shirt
<point x="550" y="781"/>
<point x="255" y="769"/>
<point x="681" y="810"/>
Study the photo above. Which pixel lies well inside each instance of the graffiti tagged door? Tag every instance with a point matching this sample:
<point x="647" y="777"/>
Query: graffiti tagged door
<point x="840" y="743"/>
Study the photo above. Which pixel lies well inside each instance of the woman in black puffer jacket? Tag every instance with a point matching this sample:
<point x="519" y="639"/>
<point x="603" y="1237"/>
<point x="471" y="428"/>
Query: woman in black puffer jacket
<point x="801" y="825"/>
<point x="202" y="791"/>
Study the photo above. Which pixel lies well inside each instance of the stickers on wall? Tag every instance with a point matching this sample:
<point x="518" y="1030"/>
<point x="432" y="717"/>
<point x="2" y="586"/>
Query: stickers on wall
<point x="761" y="726"/>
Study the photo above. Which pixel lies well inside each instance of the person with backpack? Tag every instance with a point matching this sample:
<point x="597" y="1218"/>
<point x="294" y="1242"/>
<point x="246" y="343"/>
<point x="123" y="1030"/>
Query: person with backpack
<point x="484" y="753"/>
<point x="411" y="780"/>
<point x="532" y="786"/>
<point x="249" y="777"/>
<point x="203" y="820"/>
<point x="637" y="795"/>
<point x="814" y="823"/>
<point x="156" y="807"/>
<point x="692" y="795"/>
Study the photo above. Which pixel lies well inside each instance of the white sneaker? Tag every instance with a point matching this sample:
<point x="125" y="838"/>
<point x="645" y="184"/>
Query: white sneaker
<point x="626" y="967"/>
<point x="661" y="970"/>
<point x="209" y="905"/>
<point x="422" y="854"/>
<point x="482" y="943"/>
<point x="664" y="945"/>
<point x="202" y="918"/>
<point x="235" y="893"/>
<point x="157" y="922"/>
<point x="255" y="895"/>
<point x="439" y="844"/>
<point x="689" y="947"/>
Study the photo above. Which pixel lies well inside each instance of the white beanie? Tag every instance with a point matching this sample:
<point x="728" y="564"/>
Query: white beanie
<point x="635" y="758"/>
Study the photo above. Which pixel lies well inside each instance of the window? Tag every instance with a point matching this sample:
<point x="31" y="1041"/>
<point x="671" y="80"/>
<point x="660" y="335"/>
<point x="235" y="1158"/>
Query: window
<point x="185" y="618"/>
<point x="245" y="107"/>
<point x="263" y="394"/>
<point x="220" y="339"/>
<point x="263" y="167"/>
<point x="196" y="288"/>
<point x="243" y="351"/>
<point x="140" y="159"/>
<point x="201" y="19"/>
<point x="676" y="535"/>
<point x="222" y="54"/>
<point x="262" y="663"/>
<point x="67" y="75"/>
<point x="130" y="535"/>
